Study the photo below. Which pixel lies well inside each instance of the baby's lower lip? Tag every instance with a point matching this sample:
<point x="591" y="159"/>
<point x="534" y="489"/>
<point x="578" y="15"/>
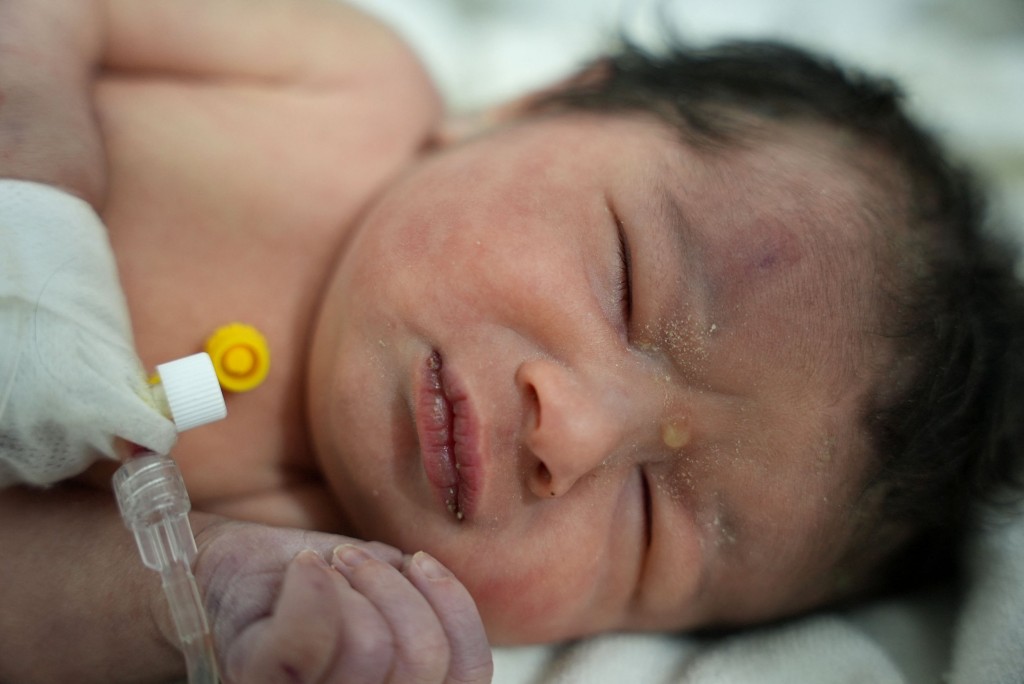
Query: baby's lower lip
<point x="435" y="429"/>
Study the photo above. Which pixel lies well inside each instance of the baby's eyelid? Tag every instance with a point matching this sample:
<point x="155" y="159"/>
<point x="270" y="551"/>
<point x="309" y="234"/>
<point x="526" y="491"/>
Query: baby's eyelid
<point x="626" y="275"/>
<point x="648" y="502"/>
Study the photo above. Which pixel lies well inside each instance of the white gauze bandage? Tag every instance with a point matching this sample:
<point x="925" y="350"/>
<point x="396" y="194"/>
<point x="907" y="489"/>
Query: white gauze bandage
<point x="70" y="379"/>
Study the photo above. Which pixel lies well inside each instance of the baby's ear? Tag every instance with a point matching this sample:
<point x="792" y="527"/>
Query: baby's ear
<point x="464" y="126"/>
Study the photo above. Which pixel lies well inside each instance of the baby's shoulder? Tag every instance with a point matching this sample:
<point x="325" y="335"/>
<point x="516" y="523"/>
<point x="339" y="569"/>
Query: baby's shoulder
<point x="400" y="83"/>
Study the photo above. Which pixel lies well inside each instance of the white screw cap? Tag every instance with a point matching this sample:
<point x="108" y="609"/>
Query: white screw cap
<point x="192" y="390"/>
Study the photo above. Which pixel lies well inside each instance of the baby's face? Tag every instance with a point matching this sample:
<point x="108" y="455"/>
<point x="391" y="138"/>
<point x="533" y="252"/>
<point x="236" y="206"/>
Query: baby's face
<point x="592" y="445"/>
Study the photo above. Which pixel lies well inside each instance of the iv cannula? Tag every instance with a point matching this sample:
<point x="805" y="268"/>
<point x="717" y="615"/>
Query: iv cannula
<point x="154" y="504"/>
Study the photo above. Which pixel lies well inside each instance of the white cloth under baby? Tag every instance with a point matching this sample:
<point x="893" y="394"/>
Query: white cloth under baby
<point x="70" y="379"/>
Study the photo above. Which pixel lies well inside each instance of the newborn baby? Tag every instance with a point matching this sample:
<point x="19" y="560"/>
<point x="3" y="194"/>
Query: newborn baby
<point x="648" y="350"/>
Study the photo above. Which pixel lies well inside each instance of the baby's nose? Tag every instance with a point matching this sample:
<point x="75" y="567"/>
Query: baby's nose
<point x="577" y="421"/>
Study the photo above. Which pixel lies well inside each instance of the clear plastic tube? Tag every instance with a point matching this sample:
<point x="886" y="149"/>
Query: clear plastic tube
<point x="154" y="505"/>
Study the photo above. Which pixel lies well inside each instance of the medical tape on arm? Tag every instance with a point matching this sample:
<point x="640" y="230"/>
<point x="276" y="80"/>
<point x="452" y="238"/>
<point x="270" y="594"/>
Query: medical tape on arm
<point x="70" y="379"/>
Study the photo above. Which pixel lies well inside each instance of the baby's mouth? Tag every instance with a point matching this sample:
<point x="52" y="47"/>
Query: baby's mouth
<point x="435" y="427"/>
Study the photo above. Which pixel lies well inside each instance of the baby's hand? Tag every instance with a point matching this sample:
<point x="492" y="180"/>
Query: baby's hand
<point x="296" y="606"/>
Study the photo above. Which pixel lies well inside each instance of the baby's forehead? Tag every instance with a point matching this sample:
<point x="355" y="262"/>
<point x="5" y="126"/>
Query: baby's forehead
<point x="785" y="199"/>
<point x="787" y="236"/>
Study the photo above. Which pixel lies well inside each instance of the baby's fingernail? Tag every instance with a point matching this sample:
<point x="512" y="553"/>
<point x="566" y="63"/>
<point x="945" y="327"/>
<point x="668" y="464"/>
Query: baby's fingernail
<point x="311" y="557"/>
<point x="430" y="568"/>
<point x="350" y="556"/>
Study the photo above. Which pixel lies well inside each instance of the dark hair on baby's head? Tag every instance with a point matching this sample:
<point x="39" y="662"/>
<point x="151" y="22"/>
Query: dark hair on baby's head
<point x="946" y="421"/>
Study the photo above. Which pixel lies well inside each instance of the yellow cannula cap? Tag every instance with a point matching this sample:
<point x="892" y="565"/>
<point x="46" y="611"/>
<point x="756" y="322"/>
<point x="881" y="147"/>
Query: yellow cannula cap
<point x="240" y="356"/>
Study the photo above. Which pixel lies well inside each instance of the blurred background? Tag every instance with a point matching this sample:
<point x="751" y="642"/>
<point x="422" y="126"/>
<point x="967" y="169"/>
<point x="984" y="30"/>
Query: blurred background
<point x="960" y="61"/>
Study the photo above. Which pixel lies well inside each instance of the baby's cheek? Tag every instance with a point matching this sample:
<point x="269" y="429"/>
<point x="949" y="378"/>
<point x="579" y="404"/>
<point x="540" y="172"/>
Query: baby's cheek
<point x="521" y="605"/>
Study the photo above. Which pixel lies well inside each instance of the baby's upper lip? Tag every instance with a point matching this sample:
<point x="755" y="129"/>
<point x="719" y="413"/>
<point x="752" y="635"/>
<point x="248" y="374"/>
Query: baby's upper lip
<point x="448" y="433"/>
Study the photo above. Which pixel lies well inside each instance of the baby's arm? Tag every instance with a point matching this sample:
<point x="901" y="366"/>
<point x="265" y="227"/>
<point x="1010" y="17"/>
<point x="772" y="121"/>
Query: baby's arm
<point x="51" y="50"/>
<point x="316" y="44"/>
<point x="79" y="606"/>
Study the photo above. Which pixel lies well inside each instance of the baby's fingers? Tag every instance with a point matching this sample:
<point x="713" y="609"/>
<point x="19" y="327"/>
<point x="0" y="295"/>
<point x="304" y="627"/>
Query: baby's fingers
<point x="470" y="652"/>
<point x="422" y="652"/>
<point x="320" y="631"/>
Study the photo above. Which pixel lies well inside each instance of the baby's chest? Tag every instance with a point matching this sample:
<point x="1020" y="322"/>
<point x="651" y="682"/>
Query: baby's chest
<point x="221" y="207"/>
<point x="216" y="218"/>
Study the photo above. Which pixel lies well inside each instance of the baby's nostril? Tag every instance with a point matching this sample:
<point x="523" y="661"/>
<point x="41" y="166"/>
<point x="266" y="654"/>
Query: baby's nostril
<point x="544" y="479"/>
